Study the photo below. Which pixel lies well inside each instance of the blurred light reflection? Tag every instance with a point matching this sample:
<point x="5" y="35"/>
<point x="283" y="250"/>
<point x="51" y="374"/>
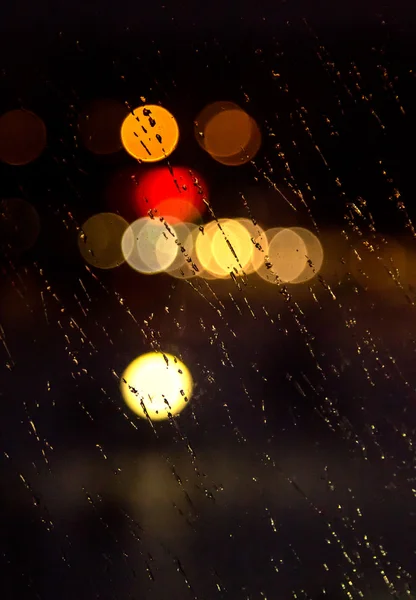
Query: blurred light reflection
<point x="314" y="255"/>
<point x="99" y="240"/>
<point x="156" y="386"/>
<point x="174" y="193"/>
<point x="147" y="247"/>
<point x="287" y="256"/>
<point x="227" y="133"/>
<point x="150" y="133"/>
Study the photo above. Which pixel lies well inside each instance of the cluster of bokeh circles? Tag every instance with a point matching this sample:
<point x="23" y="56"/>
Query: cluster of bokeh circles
<point x="212" y="251"/>
<point x="149" y="133"/>
<point x="169" y="234"/>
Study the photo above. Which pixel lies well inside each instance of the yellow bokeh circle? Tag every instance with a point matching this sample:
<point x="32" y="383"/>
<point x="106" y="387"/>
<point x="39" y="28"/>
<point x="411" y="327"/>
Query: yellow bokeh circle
<point x="286" y="256"/>
<point x="231" y="247"/>
<point x="148" y="247"/>
<point x="150" y="133"/>
<point x="99" y="240"/>
<point x="156" y="386"/>
<point x="314" y="255"/>
<point x="191" y="267"/>
<point x="172" y="242"/>
<point x="260" y="245"/>
<point x="224" y="246"/>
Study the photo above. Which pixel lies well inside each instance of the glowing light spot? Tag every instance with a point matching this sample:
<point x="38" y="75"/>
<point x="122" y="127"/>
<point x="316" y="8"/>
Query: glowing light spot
<point x="99" y="126"/>
<point x="232" y="247"/>
<point x="22" y="137"/>
<point x="176" y="194"/>
<point x="224" y="250"/>
<point x="156" y="386"/>
<point x="99" y="240"/>
<point x="150" y="133"/>
<point x="227" y="133"/>
<point x="191" y="266"/>
<point x="172" y="243"/>
<point x="260" y="245"/>
<point x="173" y="211"/>
<point x="203" y="251"/>
<point x="147" y="247"/>
<point x="314" y="255"/>
<point x="19" y="225"/>
<point x="287" y="256"/>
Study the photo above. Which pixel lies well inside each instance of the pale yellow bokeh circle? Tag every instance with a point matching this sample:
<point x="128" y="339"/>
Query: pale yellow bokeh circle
<point x="156" y="386"/>
<point x="314" y="255"/>
<point x="287" y="256"/>
<point x="191" y="266"/>
<point x="231" y="248"/>
<point x="172" y="243"/>
<point x="99" y="240"/>
<point x="150" y="133"/>
<point x="203" y="252"/>
<point x="260" y="244"/>
<point x="223" y="247"/>
<point x="148" y="247"/>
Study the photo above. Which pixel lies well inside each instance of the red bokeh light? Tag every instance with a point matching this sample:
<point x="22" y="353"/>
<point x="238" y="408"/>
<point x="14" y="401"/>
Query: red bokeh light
<point x="176" y="194"/>
<point x="177" y="211"/>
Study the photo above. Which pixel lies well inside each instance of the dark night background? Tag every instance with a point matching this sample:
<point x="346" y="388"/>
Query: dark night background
<point x="304" y="417"/>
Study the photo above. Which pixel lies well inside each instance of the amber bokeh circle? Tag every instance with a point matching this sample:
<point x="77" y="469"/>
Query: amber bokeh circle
<point x="150" y="133"/>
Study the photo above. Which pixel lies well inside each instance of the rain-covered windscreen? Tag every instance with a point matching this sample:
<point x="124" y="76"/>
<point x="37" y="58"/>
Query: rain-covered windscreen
<point x="207" y="304"/>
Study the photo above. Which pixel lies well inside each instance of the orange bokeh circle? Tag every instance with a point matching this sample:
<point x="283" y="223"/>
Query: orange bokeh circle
<point x="229" y="134"/>
<point x="150" y="133"/>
